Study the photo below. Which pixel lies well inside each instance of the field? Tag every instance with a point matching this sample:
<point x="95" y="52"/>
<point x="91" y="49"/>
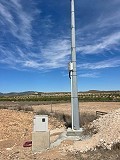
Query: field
<point x="88" y="96"/>
<point x="17" y="121"/>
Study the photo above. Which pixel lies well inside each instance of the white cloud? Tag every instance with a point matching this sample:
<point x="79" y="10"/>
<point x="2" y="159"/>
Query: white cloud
<point x="19" y="23"/>
<point x="110" y="63"/>
<point x="107" y="42"/>
<point x="89" y="75"/>
<point x="22" y="28"/>
<point x="31" y="64"/>
<point x="5" y="16"/>
<point x="16" y="3"/>
<point x="101" y="34"/>
<point x="56" y="52"/>
<point x="53" y="55"/>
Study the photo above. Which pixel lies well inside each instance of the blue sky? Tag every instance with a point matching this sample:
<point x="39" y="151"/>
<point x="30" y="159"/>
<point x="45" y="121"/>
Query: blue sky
<point x="35" y="42"/>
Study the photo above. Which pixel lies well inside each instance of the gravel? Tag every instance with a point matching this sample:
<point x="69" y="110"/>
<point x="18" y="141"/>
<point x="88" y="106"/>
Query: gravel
<point x="108" y="134"/>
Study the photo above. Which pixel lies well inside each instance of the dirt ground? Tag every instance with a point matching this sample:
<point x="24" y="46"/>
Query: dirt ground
<point x="16" y="128"/>
<point x="87" y="107"/>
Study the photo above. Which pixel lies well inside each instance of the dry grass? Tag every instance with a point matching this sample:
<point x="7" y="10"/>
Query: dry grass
<point x="3" y="107"/>
<point x="23" y="108"/>
<point x="85" y="118"/>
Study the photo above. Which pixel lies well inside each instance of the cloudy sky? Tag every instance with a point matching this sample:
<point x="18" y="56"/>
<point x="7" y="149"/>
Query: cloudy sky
<point x="35" y="42"/>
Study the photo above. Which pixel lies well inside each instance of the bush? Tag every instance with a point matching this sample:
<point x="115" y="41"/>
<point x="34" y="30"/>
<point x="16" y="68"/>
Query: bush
<point x="24" y="108"/>
<point x="42" y="112"/>
<point x="86" y="118"/>
<point x="3" y="107"/>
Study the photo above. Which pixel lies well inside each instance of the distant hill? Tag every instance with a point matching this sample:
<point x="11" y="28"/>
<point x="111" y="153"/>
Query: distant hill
<point x="27" y="93"/>
<point x="93" y="91"/>
<point x="19" y="93"/>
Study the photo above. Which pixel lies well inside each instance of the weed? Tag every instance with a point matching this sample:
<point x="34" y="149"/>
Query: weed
<point x="24" y="108"/>
<point x="42" y="112"/>
<point x="3" y="107"/>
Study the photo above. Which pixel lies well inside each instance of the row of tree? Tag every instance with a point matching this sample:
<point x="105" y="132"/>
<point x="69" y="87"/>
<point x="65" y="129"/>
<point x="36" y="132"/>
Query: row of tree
<point x="62" y="98"/>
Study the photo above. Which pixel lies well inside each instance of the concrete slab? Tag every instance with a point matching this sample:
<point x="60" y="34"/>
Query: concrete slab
<point x="71" y="132"/>
<point x="40" y="141"/>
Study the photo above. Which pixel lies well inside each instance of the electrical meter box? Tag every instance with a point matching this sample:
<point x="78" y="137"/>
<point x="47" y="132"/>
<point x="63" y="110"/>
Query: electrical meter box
<point x="70" y="66"/>
<point x="40" y="123"/>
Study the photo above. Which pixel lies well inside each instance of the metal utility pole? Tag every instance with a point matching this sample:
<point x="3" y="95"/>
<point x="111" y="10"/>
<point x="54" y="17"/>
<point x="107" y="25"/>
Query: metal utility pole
<point x="73" y="74"/>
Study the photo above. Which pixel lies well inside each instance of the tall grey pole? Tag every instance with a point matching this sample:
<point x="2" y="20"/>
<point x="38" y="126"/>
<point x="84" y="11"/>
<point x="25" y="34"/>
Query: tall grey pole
<point x="74" y="89"/>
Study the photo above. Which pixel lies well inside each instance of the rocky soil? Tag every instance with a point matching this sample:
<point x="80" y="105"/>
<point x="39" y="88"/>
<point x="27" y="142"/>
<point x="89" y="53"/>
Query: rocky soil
<point x="16" y="128"/>
<point x="107" y="134"/>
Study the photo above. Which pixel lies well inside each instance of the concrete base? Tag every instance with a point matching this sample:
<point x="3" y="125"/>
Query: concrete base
<point x="71" y="132"/>
<point x="40" y="141"/>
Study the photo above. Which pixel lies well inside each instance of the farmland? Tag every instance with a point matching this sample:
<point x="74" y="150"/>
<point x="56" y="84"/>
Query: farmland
<point x="89" y="96"/>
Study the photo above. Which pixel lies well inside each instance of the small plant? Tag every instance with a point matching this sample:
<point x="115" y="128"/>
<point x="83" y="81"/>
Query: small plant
<point x="23" y="108"/>
<point x="65" y="118"/>
<point x="42" y="112"/>
<point x="116" y="146"/>
<point x="86" y="118"/>
<point x="28" y="109"/>
<point x="3" y="107"/>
